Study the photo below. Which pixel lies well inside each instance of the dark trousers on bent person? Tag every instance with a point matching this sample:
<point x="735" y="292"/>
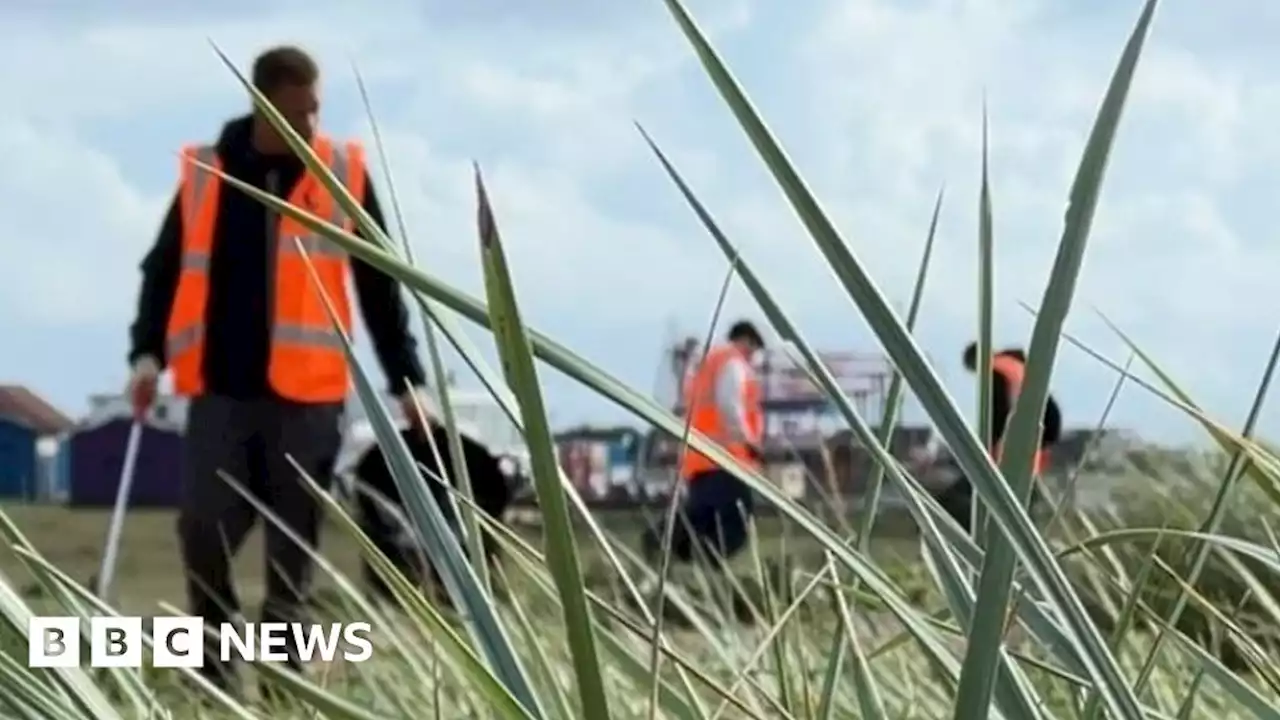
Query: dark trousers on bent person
<point x="375" y="504"/>
<point x="252" y="441"/>
<point x="713" y="519"/>
<point x="957" y="500"/>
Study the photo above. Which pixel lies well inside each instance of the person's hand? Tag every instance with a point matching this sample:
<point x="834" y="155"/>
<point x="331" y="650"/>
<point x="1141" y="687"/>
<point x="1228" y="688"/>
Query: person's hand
<point x="416" y="405"/>
<point x="144" y="382"/>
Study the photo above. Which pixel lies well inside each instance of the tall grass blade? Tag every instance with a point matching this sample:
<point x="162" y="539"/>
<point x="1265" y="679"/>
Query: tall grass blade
<point x="522" y="376"/>
<point x="952" y="580"/>
<point x="534" y="562"/>
<point x="1022" y="438"/>
<point x="672" y="515"/>
<point x="442" y="545"/>
<point x="893" y="398"/>
<point x="870" y="701"/>
<point x="499" y="698"/>
<point x="973" y="460"/>
<point x="475" y="541"/>
<point x="1128" y="613"/>
<point x="986" y="301"/>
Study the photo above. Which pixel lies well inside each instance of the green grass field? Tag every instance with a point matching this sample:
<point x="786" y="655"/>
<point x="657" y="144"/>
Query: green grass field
<point x="150" y="571"/>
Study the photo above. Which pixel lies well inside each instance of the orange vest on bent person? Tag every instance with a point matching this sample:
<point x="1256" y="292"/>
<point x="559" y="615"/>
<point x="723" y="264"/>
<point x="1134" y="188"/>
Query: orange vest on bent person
<point x="704" y="413"/>
<point x="1014" y="372"/>
<point x="307" y="362"/>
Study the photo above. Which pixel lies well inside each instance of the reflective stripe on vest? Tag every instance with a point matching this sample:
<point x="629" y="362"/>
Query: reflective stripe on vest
<point x="1014" y="371"/>
<point x="307" y="362"/>
<point x="704" y="412"/>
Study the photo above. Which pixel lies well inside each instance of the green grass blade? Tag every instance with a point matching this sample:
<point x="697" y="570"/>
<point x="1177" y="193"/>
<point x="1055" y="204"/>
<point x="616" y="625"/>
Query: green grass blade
<point x="986" y="301"/>
<point x="1067" y="498"/>
<point x="442" y="545"/>
<point x="672" y="515"/>
<point x="475" y="541"/>
<point x="499" y="697"/>
<point x="893" y="398"/>
<point x="75" y="683"/>
<point x="973" y="460"/>
<point x="995" y="583"/>
<point x="952" y="579"/>
<point x="870" y="702"/>
<point x="544" y="665"/>
<point x="1128" y="613"/>
<point x="835" y="663"/>
<point x="521" y="549"/>
<point x="522" y="376"/>
<point x="868" y="695"/>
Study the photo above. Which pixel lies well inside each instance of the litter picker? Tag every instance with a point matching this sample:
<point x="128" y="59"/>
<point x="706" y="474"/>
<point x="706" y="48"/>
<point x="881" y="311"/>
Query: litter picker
<point x="116" y="528"/>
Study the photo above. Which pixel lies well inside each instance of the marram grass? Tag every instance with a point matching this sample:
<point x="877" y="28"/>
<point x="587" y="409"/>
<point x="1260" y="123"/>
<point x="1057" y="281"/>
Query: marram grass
<point x="1161" y="606"/>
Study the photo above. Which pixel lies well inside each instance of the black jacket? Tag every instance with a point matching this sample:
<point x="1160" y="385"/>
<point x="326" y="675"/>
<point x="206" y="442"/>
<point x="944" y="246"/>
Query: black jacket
<point x="237" y="344"/>
<point x="1002" y="405"/>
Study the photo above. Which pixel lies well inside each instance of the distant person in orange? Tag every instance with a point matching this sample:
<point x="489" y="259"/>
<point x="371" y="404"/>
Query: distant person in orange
<point x="1008" y="369"/>
<point x="723" y="399"/>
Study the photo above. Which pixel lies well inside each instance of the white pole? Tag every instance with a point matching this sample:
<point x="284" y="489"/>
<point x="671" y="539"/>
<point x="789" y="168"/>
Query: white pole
<point x="116" y="528"/>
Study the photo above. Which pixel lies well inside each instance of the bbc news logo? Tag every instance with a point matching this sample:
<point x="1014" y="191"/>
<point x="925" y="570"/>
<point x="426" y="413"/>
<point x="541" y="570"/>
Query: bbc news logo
<point x="179" y="642"/>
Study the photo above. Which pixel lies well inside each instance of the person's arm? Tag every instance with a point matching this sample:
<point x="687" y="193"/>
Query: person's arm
<point x="160" y="271"/>
<point x="731" y="401"/>
<point x="385" y="313"/>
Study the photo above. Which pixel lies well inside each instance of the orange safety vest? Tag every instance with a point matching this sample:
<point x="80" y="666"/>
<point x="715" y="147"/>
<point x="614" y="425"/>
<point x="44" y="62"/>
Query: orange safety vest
<point x="704" y="413"/>
<point x="307" y="362"/>
<point x="1014" y="372"/>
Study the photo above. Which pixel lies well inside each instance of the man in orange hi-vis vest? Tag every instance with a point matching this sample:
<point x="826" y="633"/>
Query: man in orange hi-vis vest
<point x="229" y="305"/>
<point x="1008" y="368"/>
<point x="722" y="397"/>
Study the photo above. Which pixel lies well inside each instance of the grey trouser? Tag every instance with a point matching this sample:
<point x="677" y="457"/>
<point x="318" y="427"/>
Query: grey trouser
<point x="252" y="441"/>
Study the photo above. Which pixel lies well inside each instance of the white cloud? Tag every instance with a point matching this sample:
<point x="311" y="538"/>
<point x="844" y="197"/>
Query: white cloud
<point x="879" y="103"/>
<point x="71" y="229"/>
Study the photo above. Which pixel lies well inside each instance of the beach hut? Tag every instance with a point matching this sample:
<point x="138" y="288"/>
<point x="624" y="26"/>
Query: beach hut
<point x="96" y="452"/>
<point x="27" y="422"/>
<point x="17" y="460"/>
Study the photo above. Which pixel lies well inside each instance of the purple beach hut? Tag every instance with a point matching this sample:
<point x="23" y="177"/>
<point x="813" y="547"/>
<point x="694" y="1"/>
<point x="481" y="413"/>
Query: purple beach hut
<point x="97" y="457"/>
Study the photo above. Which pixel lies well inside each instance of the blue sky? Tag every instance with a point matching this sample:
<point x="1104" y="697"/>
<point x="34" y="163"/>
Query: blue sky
<point x="878" y="102"/>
